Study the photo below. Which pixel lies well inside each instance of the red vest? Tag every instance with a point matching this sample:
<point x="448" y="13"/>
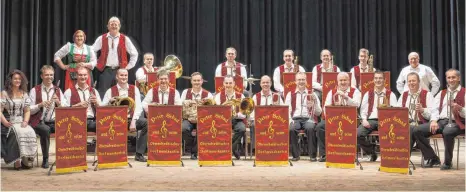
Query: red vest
<point x="75" y="99"/>
<point x="121" y="50"/>
<point x="237" y="66"/>
<point x="357" y="74"/>
<point x="131" y="94"/>
<point x="458" y="99"/>
<point x="422" y="99"/>
<point x="259" y="97"/>
<point x="189" y="94"/>
<point x="171" y="95"/>
<point x="371" y="100"/>
<point x="145" y="70"/>
<point x="282" y="70"/>
<point x="223" y="96"/>
<point x="319" y="71"/>
<point x="293" y="106"/>
<point x="350" y="94"/>
<point x="35" y="119"/>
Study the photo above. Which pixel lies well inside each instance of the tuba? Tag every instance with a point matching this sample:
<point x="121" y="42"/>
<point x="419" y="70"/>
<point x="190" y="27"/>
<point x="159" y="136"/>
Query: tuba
<point x="246" y="106"/>
<point x="370" y="64"/>
<point x="189" y="111"/>
<point x="172" y="64"/>
<point x="119" y="101"/>
<point x="143" y="87"/>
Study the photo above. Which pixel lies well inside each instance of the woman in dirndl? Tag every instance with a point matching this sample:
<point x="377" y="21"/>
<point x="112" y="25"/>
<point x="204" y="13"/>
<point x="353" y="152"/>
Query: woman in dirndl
<point x="75" y="55"/>
<point x="19" y="145"/>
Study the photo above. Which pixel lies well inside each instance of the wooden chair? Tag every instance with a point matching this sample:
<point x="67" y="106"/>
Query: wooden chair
<point x="437" y="150"/>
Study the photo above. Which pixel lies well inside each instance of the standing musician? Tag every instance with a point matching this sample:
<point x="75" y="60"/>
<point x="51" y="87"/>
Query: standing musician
<point x="135" y="120"/>
<point x="44" y="98"/>
<point x="369" y="112"/>
<point x="361" y="68"/>
<point x="288" y="66"/>
<point x="304" y="107"/>
<point x="191" y="98"/>
<point x="113" y="47"/>
<point x="141" y="73"/>
<point x="347" y="96"/>
<point x="326" y="66"/>
<point x="263" y="98"/>
<point x="426" y="75"/>
<point x="237" y="122"/>
<point x="447" y="118"/>
<point x="231" y="67"/>
<point x="163" y="94"/>
<point x="82" y="95"/>
<point x="420" y="104"/>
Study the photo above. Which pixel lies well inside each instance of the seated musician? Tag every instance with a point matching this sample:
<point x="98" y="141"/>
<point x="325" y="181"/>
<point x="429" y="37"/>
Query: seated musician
<point x="231" y="67"/>
<point x="369" y="112"/>
<point x="420" y="104"/>
<point x="361" y="68"/>
<point x="326" y="66"/>
<point x="289" y="67"/>
<point x="44" y="98"/>
<point x="448" y="109"/>
<point x="347" y="96"/>
<point x="304" y="110"/>
<point x="238" y="126"/>
<point x="82" y="95"/>
<point x="191" y="98"/>
<point x="141" y="73"/>
<point x="264" y="97"/>
<point x="163" y="94"/>
<point x="135" y="120"/>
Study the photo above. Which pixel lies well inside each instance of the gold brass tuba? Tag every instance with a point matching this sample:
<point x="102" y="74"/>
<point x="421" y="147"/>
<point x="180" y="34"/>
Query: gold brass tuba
<point x="119" y="101"/>
<point x="246" y="105"/>
<point x="370" y="64"/>
<point x="172" y="64"/>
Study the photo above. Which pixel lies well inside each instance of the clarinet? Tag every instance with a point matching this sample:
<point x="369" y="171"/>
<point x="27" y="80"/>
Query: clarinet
<point x="93" y="93"/>
<point x="48" y="108"/>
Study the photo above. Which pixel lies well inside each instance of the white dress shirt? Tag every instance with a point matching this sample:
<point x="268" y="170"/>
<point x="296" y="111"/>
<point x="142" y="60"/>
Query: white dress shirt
<point x="301" y="109"/>
<point x="355" y="101"/>
<point x="141" y="76"/>
<point x="426" y="75"/>
<point x="65" y="50"/>
<point x="163" y="98"/>
<point x="84" y="95"/>
<point x="112" y="58"/>
<point x="265" y="101"/>
<point x="46" y="96"/>
<point x="436" y="115"/>
<point x="229" y="97"/>
<point x="413" y="99"/>
<point x="123" y="92"/>
<point x="374" y="114"/>
<point x="195" y="96"/>
<point x="353" y="77"/>
<point x="244" y="74"/>
<point x="277" y="85"/>
<point x="316" y="85"/>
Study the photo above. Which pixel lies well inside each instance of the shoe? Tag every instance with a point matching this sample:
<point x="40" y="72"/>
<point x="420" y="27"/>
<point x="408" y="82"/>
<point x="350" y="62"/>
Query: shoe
<point x="237" y="155"/>
<point x="45" y="163"/>
<point x="445" y="167"/>
<point x="17" y="166"/>
<point x="193" y="156"/>
<point x="295" y="159"/>
<point x="140" y="158"/>
<point x="374" y="156"/>
<point x="323" y="159"/>
<point x="24" y="166"/>
<point x="432" y="162"/>
<point x="313" y="159"/>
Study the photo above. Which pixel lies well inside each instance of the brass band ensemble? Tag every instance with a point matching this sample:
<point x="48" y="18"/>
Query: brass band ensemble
<point x="431" y="110"/>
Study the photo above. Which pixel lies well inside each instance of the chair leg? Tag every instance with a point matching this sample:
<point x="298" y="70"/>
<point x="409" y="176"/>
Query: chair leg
<point x="458" y="155"/>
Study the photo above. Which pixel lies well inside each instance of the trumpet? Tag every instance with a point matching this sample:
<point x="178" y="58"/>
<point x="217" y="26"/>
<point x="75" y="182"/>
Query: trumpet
<point x="339" y="101"/>
<point x="311" y="101"/>
<point x="414" y="116"/>
<point x="384" y="103"/>
<point x="48" y="108"/>
<point x="331" y="65"/>
<point x="370" y="64"/>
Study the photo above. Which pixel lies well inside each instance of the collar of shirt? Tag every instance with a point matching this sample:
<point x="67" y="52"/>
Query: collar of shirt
<point x="162" y="91"/>
<point x="230" y="65"/>
<point x="417" y="69"/>
<point x="347" y="90"/>
<point x="122" y="88"/>
<point x="194" y="94"/>
<point x="417" y="92"/>
<point x="45" y="88"/>
<point x="382" y="92"/>
<point x="110" y="36"/>
<point x="458" y="89"/>
<point x="82" y="89"/>
<point x="151" y="69"/>
<point x="304" y="91"/>
<point x="363" y="68"/>
<point x="231" y="96"/>
<point x="287" y="69"/>
<point x="264" y="95"/>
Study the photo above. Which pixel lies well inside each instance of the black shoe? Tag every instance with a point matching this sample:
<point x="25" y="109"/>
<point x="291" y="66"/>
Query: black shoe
<point x="313" y="159"/>
<point x="432" y="162"/>
<point x="140" y="158"/>
<point x="45" y="163"/>
<point x="295" y="159"/>
<point x="193" y="156"/>
<point x="323" y="159"/>
<point x="374" y="156"/>
<point x="24" y="166"/>
<point x="237" y="155"/>
<point x="445" y="167"/>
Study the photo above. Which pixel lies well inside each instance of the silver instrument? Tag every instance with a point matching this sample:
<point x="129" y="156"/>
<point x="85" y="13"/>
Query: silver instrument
<point x="48" y="108"/>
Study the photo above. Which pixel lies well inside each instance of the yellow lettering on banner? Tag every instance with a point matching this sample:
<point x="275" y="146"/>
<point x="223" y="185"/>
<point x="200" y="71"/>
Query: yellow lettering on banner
<point x="367" y="84"/>
<point x="289" y="84"/>
<point x="205" y="118"/>
<point x="260" y="119"/>
<point x="153" y="119"/>
<point x="103" y="120"/>
<point x="331" y="119"/>
<point x="153" y="84"/>
<point x="122" y="120"/>
<point x="347" y="118"/>
<point x="278" y="117"/>
<point x="77" y="120"/>
<point x="399" y="121"/>
<point x="238" y="89"/>
<point x="387" y="120"/>
<point x="219" y="116"/>
<point x="62" y="121"/>
<point x="173" y="117"/>
<point x="329" y="83"/>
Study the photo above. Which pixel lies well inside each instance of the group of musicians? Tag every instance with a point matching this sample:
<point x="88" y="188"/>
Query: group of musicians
<point x="429" y="115"/>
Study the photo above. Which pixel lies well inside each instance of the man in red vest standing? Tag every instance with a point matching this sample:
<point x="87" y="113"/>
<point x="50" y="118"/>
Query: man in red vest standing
<point x="363" y="67"/>
<point x="447" y="119"/>
<point x="232" y="67"/>
<point x="113" y="47"/>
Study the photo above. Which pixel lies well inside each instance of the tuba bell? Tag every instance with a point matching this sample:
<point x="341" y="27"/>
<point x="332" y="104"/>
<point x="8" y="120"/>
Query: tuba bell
<point x="119" y="101"/>
<point x="172" y="64"/>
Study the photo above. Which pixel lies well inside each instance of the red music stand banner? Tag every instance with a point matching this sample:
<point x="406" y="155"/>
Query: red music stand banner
<point x="238" y="84"/>
<point x="71" y="134"/>
<point x="112" y="134"/>
<point x="329" y="80"/>
<point x="367" y="82"/>
<point x="152" y="80"/>
<point x="289" y="82"/>
<point x="341" y="136"/>
<point x="394" y="139"/>
<point x="272" y="135"/>
<point x="164" y="141"/>
<point x="214" y="135"/>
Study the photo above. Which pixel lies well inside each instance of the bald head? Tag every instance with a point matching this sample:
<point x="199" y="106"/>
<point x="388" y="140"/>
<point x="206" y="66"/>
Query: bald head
<point x="266" y="83"/>
<point x="343" y="81"/>
<point x="413" y="59"/>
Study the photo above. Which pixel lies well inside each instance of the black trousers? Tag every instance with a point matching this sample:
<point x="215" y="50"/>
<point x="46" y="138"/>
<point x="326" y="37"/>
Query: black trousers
<point x="320" y="129"/>
<point x="43" y="129"/>
<point x="364" y="132"/>
<point x="422" y="133"/>
<point x="105" y="80"/>
<point x="239" y="129"/>
<point x="141" y="141"/>
<point x="309" y="128"/>
<point x="189" y="139"/>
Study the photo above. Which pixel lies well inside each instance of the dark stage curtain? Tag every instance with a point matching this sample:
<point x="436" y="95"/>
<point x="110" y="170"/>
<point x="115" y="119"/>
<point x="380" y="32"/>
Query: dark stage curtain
<point x="198" y="31"/>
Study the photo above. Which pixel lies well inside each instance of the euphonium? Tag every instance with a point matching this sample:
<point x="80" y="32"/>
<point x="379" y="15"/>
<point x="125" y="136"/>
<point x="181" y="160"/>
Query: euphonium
<point x="234" y="103"/>
<point x="143" y="87"/>
<point x="370" y="64"/>
<point x="119" y="101"/>
<point x="246" y="106"/>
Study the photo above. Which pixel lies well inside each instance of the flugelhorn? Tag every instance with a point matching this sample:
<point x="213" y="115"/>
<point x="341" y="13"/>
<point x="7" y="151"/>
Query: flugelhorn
<point x="53" y="102"/>
<point x="311" y="101"/>
<point x="370" y="64"/>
